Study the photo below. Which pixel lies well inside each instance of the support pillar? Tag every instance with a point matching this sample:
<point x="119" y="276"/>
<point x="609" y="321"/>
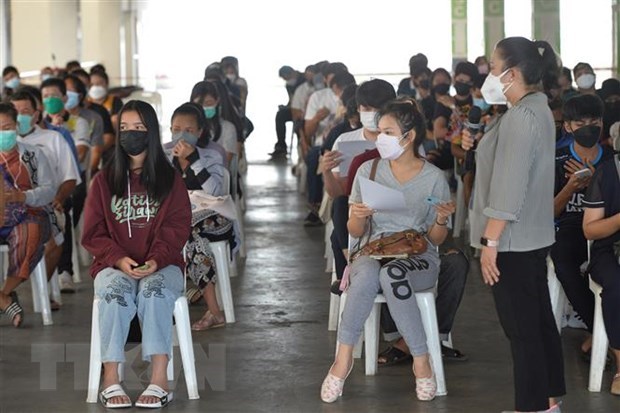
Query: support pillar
<point x="546" y="22"/>
<point x="493" y="24"/>
<point x="459" y="31"/>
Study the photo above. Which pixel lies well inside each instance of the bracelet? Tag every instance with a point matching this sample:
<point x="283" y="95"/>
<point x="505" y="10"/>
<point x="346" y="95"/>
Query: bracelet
<point x="441" y="225"/>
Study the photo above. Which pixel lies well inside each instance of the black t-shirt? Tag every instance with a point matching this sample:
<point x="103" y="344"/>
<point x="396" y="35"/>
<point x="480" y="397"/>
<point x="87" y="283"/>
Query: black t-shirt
<point x="428" y="107"/>
<point x="604" y="192"/>
<point x="105" y="116"/>
<point x="572" y="215"/>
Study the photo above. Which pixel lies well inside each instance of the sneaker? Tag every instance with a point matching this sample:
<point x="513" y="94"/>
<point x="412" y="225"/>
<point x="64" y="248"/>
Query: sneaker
<point x="279" y="153"/>
<point x="313" y="220"/>
<point x="66" y="283"/>
<point x="335" y="288"/>
<point x="575" y="321"/>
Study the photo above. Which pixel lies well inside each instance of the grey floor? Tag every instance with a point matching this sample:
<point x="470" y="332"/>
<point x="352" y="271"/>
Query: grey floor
<point x="276" y="355"/>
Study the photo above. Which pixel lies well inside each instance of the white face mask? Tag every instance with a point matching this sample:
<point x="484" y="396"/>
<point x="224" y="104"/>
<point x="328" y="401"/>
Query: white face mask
<point x="97" y="92"/>
<point x="389" y="146"/>
<point x="231" y="76"/>
<point x="586" y="81"/>
<point x="369" y="120"/>
<point x="493" y="90"/>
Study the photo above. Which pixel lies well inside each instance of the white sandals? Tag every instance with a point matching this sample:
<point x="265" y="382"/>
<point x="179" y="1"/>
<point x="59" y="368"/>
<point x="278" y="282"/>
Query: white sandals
<point x="155" y="391"/>
<point x="110" y="392"/>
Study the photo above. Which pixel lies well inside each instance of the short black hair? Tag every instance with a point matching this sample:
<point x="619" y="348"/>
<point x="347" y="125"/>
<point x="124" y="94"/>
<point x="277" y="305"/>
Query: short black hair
<point x="72" y="65"/>
<point x="98" y="68"/>
<point x="334" y="68"/>
<point x="285" y="71"/>
<point x="582" y="65"/>
<point x="342" y="80"/>
<point x="31" y="90"/>
<point x="418" y="61"/>
<point x="21" y="94"/>
<point x="55" y="82"/>
<point x="375" y="93"/>
<point x="466" y="68"/>
<point x="80" y="72"/>
<point x="479" y="81"/>
<point x="78" y="84"/>
<point x="566" y="72"/>
<point x="101" y="74"/>
<point x="8" y="109"/>
<point x="10" y="69"/>
<point x="440" y="71"/>
<point x="583" y="107"/>
<point x="348" y="99"/>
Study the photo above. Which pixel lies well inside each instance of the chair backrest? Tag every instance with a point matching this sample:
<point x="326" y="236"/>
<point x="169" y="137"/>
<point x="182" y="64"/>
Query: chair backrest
<point x="233" y="168"/>
<point x="226" y="181"/>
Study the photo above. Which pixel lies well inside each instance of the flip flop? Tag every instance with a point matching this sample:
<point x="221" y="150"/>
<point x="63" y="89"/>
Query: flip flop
<point x="14" y="309"/>
<point x="393" y="355"/>
<point x="114" y="390"/>
<point x="207" y="322"/>
<point x="155" y="391"/>
<point x="453" y="354"/>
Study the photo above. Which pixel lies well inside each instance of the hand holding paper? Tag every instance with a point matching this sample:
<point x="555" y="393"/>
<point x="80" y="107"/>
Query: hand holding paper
<point x="380" y="197"/>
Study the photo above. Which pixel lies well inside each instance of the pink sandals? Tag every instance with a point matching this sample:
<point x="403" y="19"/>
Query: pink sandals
<point x="332" y="386"/>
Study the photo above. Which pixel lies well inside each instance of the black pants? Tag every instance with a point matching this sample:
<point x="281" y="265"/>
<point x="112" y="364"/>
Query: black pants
<point x="284" y="115"/>
<point x="340" y="235"/>
<point x="524" y="309"/>
<point x="569" y="252"/>
<point x="605" y="270"/>
<point x="76" y="201"/>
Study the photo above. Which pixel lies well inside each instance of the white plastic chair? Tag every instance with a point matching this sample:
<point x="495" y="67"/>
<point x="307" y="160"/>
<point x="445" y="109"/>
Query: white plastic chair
<point x="334" y="306"/>
<point x="600" y="341"/>
<point x="38" y="282"/>
<point x="184" y="337"/>
<point x="557" y="295"/>
<point x="329" y="253"/>
<point x="302" y="177"/>
<point x="221" y="251"/>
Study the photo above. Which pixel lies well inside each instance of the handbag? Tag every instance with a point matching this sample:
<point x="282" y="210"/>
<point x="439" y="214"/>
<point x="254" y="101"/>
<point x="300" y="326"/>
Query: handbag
<point x="402" y="244"/>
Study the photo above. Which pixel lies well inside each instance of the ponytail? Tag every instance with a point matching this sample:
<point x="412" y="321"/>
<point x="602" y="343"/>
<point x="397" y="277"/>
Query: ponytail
<point x="537" y="60"/>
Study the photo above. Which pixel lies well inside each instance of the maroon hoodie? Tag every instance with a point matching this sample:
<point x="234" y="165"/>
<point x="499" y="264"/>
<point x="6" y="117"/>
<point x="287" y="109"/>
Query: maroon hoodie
<point x="157" y="232"/>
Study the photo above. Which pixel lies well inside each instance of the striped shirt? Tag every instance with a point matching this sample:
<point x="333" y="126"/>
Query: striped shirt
<point x="515" y="177"/>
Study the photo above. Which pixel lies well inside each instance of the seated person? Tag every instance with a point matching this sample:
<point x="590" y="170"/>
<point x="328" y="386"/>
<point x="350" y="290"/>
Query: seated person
<point x="601" y="223"/>
<point x="136" y="221"/>
<point x="27" y="188"/>
<point x="583" y="116"/>
<point x="202" y="169"/>
<point x="403" y="130"/>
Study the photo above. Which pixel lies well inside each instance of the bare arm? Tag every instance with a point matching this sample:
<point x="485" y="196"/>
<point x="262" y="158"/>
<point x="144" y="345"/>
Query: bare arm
<point x="596" y="226"/>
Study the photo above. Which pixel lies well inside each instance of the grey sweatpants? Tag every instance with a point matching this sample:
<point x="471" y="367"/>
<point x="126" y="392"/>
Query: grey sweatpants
<point x="399" y="280"/>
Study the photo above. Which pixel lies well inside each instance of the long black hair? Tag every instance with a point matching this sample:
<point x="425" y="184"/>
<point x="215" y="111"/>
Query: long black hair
<point x="195" y="110"/>
<point x="157" y="174"/>
<point x="409" y="117"/>
<point x="199" y="92"/>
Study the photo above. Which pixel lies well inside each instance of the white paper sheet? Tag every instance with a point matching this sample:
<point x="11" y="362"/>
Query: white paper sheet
<point x="381" y="198"/>
<point x="350" y="150"/>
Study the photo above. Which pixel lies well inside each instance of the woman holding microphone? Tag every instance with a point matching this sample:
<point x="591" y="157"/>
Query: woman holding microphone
<point x="512" y="215"/>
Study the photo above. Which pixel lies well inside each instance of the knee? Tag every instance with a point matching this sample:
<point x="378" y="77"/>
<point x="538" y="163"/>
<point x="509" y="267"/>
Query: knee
<point x="395" y="282"/>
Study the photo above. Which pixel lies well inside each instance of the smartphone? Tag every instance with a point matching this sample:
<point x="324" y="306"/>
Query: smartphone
<point x="431" y="200"/>
<point x="143" y="267"/>
<point x="583" y="173"/>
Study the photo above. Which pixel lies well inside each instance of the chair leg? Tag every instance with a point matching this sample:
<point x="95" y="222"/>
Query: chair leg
<point x="55" y="288"/>
<point x="221" y="253"/>
<point x="39" y="283"/>
<point x="94" y="369"/>
<point x="556" y="294"/>
<point x="334" y="304"/>
<point x="426" y="303"/>
<point x="599" y="347"/>
<point x="77" y="278"/>
<point x="184" y="335"/>
<point x="371" y="337"/>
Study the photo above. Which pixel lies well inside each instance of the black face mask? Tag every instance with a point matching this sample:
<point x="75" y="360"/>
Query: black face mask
<point x="425" y="84"/>
<point x="134" y="142"/>
<point x="462" y="88"/>
<point x="441" y="89"/>
<point x="587" y="136"/>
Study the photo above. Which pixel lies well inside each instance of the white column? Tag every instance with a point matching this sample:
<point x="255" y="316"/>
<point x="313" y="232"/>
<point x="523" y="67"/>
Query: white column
<point x="546" y="22"/>
<point x="459" y="30"/>
<point x="493" y="24"/>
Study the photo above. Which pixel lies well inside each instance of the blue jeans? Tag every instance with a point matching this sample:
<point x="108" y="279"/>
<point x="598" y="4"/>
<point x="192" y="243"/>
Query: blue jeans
<point x="152" y="297"/>
<point x="314" y="181"/>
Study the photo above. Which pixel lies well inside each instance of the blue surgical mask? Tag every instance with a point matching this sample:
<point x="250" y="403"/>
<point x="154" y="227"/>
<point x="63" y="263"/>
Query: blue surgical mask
<point x="482" y="104"/>
<point x="210" y="111"/>
<point x="8" y="139"/>
<point x="73" y="99"/>
<point x="46" y="76"/>
<point x="24" y="124"/>
<point x="186" y="136"/>
<point x="12" y="83"/>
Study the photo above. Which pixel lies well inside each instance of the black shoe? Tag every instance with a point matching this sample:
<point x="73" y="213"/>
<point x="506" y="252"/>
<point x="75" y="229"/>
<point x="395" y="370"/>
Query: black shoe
<point x="335" y="288"/>
<point x="313" y="220"/>
<point x="279" y="153"/>
<point x="453" y="354"/>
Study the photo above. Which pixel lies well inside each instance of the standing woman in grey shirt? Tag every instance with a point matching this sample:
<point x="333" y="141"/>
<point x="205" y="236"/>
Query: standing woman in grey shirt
<point x="512" y="216"/>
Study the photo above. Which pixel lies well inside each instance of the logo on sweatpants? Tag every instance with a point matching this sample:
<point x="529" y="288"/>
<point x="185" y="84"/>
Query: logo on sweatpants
<point x="398" y="270"/>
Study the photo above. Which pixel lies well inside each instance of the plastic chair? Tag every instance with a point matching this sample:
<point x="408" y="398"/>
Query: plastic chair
<point x="556" y="293"/>
<point x="329" y="254"/>
<point x="600" y="341"/>
<point x="334" y="306"/>
<point x="184" y="337"/>
<point x="38" y="282"/>
<point x="221" y="251"/>
<point x="461" y="209"/>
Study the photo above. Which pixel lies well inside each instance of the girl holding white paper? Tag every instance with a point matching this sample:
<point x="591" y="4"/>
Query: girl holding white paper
<point x="403" y="130"/>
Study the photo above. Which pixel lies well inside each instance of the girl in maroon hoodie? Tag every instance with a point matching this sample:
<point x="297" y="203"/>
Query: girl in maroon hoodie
<point x="136" y="222"/>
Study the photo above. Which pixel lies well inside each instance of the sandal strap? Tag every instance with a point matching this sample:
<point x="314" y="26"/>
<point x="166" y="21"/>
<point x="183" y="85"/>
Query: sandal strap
<point x="114" y="390"/>
<point x="153" y="390"/>
<point x="13" y="310"/>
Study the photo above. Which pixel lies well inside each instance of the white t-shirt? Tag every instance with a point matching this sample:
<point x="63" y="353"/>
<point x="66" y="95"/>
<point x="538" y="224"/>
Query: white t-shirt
<point x="57" y="152"/>
<point x="355" y="135"/>
<point x="324" y="98"/>
<point x="301" y="96"/>
<point x="228" y="136"/>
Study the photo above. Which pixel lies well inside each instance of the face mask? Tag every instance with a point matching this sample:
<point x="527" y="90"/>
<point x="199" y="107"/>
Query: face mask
<point x="53" y="105"/>
<point x="134" y="142"/>
<point x="231" y="76"/>
<point x="483" y="69"/>
<point x="462" y="88"/>
<point x="210" y="111"/>
<point x="8" y="139"/>
<point x="24" y="124"/>
<point x="493" y="89"/>
<point x="425" y="84"/>
<point x="12" y="83"/>
<point x="318" y="81"/>
<point x="441" y="89"/>
<point x="389" y="146"/>
<point x="587" y="136"/>
<point x="291" y="82"/>
<point x="73" y="99"/>
<point x="482" y="104"/>
<point x="586" y="81"/>
<point x="97" y="92"/>
<point x="186" y="136"/>
<point x="45" y="76"/>
<point x="369" y="120"/>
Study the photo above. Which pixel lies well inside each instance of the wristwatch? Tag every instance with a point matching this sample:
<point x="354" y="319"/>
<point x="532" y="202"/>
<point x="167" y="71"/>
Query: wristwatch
<point x="493" y="243"/>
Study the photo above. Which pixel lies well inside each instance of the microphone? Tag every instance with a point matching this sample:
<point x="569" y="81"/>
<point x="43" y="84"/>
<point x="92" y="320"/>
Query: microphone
<point x="474" y="126"/>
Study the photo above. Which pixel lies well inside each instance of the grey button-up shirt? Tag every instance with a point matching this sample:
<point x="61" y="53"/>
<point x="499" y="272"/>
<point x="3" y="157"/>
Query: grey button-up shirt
<point x="515" y="177"/>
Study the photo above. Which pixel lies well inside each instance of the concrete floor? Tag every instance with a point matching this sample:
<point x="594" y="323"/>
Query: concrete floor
<point x="276" y="355"/>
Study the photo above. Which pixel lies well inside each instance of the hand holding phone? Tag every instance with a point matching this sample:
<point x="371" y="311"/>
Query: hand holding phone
<point x="583" y="174"/>
<point x="431" y="200"/>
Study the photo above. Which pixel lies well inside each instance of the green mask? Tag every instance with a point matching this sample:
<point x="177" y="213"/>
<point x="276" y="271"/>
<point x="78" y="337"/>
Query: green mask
<point x="53" y="105"/>
<point x="210" y="111"/>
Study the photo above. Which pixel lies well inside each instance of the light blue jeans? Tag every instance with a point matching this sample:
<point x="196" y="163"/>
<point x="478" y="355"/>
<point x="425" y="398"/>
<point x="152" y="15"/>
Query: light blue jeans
<point x="152" y="297"/>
